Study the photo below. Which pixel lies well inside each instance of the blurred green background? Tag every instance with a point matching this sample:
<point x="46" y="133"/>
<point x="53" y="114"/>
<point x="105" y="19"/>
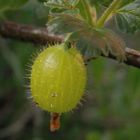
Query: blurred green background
<point x="111" y="110"/>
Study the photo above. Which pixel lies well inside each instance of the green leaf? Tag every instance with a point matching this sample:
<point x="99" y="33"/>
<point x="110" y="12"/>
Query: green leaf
<point x="125" y="2"/>
<point x="42" y="0"/>
<point x="128" y="17"/>
<point x="11" y="4"/>
<point x="87" y="12"/>
<point x="65" y="24"/>
<point x="63" y="7"/>
<point x="90" y="40"/>
<point x="64" y="11"/>
<point x="81" y="32"/>
<point x="61" y="3"/>
<point x="101" y="2"/>
<point x="73" y="7"/>
<point x="106" y="3"/>
<point x="115" y="45"/>
<point x="93" y="42"/>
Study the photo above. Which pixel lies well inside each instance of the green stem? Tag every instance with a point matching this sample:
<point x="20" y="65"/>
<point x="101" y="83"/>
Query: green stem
<point x="108" y="12"/>
<point x="87" y="12"/>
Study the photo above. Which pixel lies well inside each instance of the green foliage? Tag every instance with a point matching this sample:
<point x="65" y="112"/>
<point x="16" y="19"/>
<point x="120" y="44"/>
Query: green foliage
<point x="63" y="4"/>
<point x="127" y="14"/>
<point x="81" y="28"/>
<point x="42" y="0"/>
<point x="105" y="3"/>
<point x="128" y="17"/>
<point x="91" y="41"/>
<point x="11" y="4"/>
<point x="112" y="107"/>
<point x="87" y="12"/>
<point x="93" y="136"/>
<point x="125" y="2"/>
<point x="70" y="23"/>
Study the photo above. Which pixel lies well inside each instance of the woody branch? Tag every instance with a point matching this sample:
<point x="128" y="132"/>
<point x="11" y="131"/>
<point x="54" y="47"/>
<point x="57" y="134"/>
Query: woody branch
<point x="40" y="35"/>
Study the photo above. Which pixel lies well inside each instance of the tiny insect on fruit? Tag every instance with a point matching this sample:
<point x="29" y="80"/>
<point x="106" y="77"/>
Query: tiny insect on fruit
<point x="58" y="78"/>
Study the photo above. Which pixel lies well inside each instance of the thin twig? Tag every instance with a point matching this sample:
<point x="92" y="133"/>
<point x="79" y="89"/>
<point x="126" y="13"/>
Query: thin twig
<point x="41" y="36"/>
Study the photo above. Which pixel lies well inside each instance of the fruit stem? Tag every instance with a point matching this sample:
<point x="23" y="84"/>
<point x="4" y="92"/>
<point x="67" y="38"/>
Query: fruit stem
<point x="54" y="122"/>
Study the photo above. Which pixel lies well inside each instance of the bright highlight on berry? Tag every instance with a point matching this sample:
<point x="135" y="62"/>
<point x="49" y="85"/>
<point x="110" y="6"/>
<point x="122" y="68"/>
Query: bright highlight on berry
<point x="58" y="78"/>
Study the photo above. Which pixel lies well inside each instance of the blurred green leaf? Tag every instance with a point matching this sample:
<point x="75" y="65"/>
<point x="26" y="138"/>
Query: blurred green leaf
<point x="100" y="2"/>
<point x="61" y="4"/>
<point x="11" y="4"/>
<point x="125" y="2"/>
<point x="93" y="136"/>
<point x="13" y="62"/>
<point x="128" y="17"/>
<point x="42" y="0"/>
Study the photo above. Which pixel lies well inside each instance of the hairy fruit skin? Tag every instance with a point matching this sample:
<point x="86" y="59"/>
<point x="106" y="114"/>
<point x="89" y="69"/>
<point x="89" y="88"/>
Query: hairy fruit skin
<point x="58" y="79"/>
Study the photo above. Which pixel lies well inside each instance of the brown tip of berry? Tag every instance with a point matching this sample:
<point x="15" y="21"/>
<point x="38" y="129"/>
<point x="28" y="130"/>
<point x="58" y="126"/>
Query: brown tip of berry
<point x="54" y="122"/>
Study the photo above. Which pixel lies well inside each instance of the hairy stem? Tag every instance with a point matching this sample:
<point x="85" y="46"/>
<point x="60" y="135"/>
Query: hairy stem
<point x="108" y="12"/>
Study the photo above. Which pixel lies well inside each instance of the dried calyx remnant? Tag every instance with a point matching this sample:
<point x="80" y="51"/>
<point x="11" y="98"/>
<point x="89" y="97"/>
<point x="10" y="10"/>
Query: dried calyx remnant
<point x="58" y="79"/>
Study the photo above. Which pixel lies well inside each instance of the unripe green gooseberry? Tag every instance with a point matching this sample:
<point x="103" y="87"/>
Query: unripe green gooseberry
<point x="58" y="78"/>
